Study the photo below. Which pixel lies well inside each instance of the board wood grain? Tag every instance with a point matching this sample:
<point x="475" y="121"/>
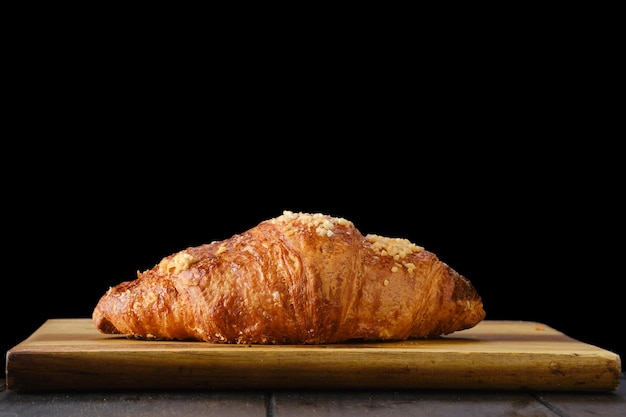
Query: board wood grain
<point x="70" y="354"/>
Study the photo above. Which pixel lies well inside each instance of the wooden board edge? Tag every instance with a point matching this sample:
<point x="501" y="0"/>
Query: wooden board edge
<point x="291" y="370"/>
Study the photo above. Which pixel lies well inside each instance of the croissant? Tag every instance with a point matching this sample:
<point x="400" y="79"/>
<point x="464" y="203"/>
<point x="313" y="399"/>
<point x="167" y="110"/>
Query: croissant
<point x="298" y="278"/>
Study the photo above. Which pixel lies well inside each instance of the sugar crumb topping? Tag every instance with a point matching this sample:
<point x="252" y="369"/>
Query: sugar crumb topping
<point x="180" y="262"/>
<point x="324" y="224"/>
<point x="396" y="248"/>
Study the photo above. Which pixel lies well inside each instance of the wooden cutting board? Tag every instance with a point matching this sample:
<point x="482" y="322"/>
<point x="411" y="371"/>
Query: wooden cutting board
<point x="70" y="354"/>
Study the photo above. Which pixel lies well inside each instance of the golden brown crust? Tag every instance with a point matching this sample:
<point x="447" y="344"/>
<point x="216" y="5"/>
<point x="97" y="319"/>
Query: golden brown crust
<point x="297" y="278"/>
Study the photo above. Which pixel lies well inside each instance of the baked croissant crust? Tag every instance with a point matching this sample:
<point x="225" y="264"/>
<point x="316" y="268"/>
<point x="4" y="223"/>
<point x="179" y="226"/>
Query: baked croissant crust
<point x="298" y="278"/>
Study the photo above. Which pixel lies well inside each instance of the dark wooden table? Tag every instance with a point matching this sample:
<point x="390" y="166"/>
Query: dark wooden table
<point x="314" y="403"/>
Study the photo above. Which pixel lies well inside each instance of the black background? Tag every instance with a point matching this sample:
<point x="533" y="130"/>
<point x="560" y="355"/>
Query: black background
<point x="501" y="160"/>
